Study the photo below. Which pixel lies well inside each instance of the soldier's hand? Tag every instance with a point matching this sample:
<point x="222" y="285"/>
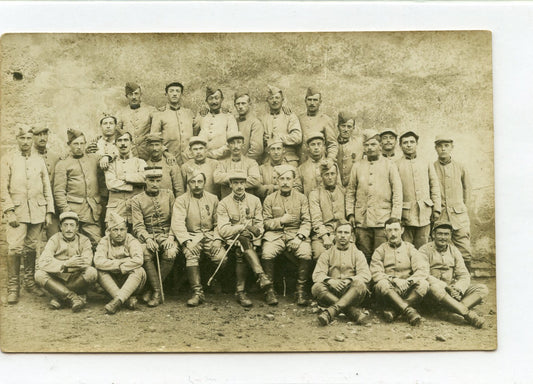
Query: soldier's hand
<point x="203" y="111"/>
<point x="12" y="219"/>
<point x="92" y="147"/>
<point x="328" y="241"/>
<point x="171" y="159"/>
<point x="435" y="216"/>
<point x="216" y="247"/>
<point x="194" y="250"/>
<point x="287" y="218"/>
<point x="294" y="244"/>
<point x="402" y="284"/>
<point x="351" y="219"/>
<point x="168" y="243"/>
<point x="336" y="285"/>
<point x="254" y="230"/>
<point x="454" y="292"/>
<point x="75" y="262"/>
<point x="151" y="245"/>
<point x="104" y="163"/>
<point x="48" y="219"/>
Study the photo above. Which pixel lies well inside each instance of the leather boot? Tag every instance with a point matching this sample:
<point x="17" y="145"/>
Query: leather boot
<point x="59" y="291"/>
<point x="240" y="276"/>
<point x="398" y="303"/>
<point x="413" y="298"/>
<point x="328" y="315"/>
<point x="153" y="279"/>
<point x="455" y="306"/>
<point x="253" y="261"/>
<point x="166" y="266"/>
<point x="156" y="299"/>
<point x="113" y="306"/>
<point x="326" y="299"/>
<point x="13" y="276"/>
<point x="472" y="300"/>
<point x="303" y="275"/>
<point x="131" y="303"/>
<point x="412" y="315"/>
<point x="242" y="299"/>
<point x="270" y="295"/>
<point x="193" y="274"/>
<point x="472" y="317"/>
<point x="349" y="304"/>
<point x="147" y="296"/>
<point x="79" y="285"/>
<point x="29" y="274"/>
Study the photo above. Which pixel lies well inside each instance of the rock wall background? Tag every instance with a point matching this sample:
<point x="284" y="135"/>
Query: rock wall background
<point x="427" y="81"/>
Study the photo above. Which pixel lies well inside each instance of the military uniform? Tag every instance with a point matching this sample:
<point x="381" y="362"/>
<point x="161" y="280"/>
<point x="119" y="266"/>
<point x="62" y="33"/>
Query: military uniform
<point x="269" y="180"/>
<point x="349" y="152"/>
<point x="214" y="128"/>
<point x="287" y="127"/>
<point x="207" y="168"/>
<point x="227" y="166"/>
<point x="138" y="122"/>
<point x="76" y="189"/>
<point x="252" y="130"/>
<point x="310" y="176"/>
<point x="320" y="123"/>
<point x="172" y="176"/>
<point x="176" y="127"/>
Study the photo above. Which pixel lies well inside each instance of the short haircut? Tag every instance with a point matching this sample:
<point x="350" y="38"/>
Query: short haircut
<point x="408" y="134"/>
<point x="108" y="117"/>
<point x="393" y="220"/>
<point x="194" y="176"/>
<point x="343" y="223"/>
<point x="120" y="134"/>
<point x="174" y="84"/>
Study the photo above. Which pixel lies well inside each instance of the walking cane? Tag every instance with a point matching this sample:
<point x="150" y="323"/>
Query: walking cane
<point x="226" y="253"/>
<point x="158" y="264"/>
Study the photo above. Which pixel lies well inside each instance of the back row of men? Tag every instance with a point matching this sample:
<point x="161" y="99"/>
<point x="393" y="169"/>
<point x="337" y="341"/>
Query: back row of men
<point x="337" y="182"/>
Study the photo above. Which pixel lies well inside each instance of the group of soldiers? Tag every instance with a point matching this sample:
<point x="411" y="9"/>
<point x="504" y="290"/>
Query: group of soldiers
<point x="352" y="214"/>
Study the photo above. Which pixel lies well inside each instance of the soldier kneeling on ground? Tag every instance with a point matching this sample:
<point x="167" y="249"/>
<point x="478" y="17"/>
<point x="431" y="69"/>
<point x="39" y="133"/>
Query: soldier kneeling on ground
<point x="64" y="267"/>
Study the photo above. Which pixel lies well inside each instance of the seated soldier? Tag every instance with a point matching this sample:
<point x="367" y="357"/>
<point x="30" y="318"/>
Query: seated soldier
<point x="288" y="225"/>
<point x="239" y="216"/>
<point x="341" y="278"/>
<point x="118" y="259"/>
<point x="399" y="272"/>
<point x="64" y="267"/>
<point x="449" y="279"/>
<point x="151" y="213"/>
<point x="194" y="221"/>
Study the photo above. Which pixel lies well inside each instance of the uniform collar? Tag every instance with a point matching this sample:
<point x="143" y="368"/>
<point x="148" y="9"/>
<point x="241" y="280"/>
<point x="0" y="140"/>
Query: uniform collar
<point x="445" y="162"/>
<point x="373" y="158"/>
<point x="342" y="140"/>
<point x="285" y="194"/>
<point x="239" y="199"/>
<point x="173" y="108"/>
<point x="410" y="157"/>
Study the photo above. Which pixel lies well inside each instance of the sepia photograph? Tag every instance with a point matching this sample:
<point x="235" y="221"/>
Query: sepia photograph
<point x="247" y="192"/>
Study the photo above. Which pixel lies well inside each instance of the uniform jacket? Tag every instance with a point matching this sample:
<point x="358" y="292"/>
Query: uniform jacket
<point x="319" y="123"/>
<point x="225" y="167"/>
<point x="404" y="262"/>
<point x="136" y="121"/>
<point x="252" y="130"/>
<point x="288" y="128"/>
<point x="172" y="176"/>
<point x="276" y="206"/>
<point x="421" y="191"/>
<point x="455" y="192"/>
<point x="151" y="214"/>
<point x="349" y="152"/>
<point x="336" y="264"/>
<point x="25" y="187"/>
<point x="311" y="177"/>
<point x="192" y="216"/>
<point x="207" y="168"/>
<point x="118" y="258"/>
<point x="176" y="127"/>
<point x="50" y="159"/>
<point x="215" y="128"/>
<point x="76" y="187"/>
<point x="57" y="250"/>
<point x="448" y="267"/>
<point x="269" y="178"/>
<point x="374" y="193"/>
<point x="326" y="209"/>
<point x="106" y="148"/>
<point x="232" y="216"/>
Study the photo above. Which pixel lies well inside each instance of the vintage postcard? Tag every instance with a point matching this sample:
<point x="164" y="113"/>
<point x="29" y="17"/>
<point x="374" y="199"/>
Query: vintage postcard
<point x="247" y="192"/>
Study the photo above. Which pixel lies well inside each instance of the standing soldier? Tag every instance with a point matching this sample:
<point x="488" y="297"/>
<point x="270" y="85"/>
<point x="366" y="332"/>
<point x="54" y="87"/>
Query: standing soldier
<point x="216" y="125"/>
<point x="27" y="203"/>
<point x="283" y="124"/>
<point x="341" y="278"/>
<point x="455" y="190"/>
<point x="124" y="178"/>
<point x="239" y="161"/>
<point x="151" y="213"/>
<point x="421" y="192"/>
<point x="315" y="121"/>
<point x="65" y="267"/>
<point x="194" y="223"/>
<point x="172" y="178"/>
<point x="373" y="195"/>
<point x="105" y="146"/>
<point x="239" y="215"/>
<point x="40" y="141"/>
<point x="136" y="119"/>
<point x="174" y="123"/>
<point x="326" y="207"/>
<point x="249" y="125"/>
<point x="449" y="280"/>
<point x="388" y="144"/>
<point x="119" y="259"/>
<point x="76" y="186"/>
<point x="349" y="148"/>
<point x="201" y="163"/>
<point x="399" y="272"/>
<point x="288" y="225"/>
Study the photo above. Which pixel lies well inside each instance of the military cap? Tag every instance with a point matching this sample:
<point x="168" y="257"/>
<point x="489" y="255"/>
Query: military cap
<point x="209" y="90"/>
<point x="342" y="223"/>
<point x="392" y="131"/>
<point x="23" y="130"/>
<point x="284" y="168"/>
<point x="272" y="90"/>
<point x="114" y="220"/>
<point x="68" y="215"/>
<point x="443" y="138"/>
<point x="240" y="93"/>
<point x="152" y="137"/>
<point x="275" y="139"/>
<point x="443" y="224"/>
<point x="344" y="117"/>
<point x="369" y="134"/>
<point x="312" y="91"/>
<point x="326" y="167"/>
<point x="38" y="130"/>
<point x="121" y="133"/>
<point x="194" y="173"/>
<point x="315" y="135"/>
<point x="234" y="135"/>
<point x="106" y="115"/>
<point x="153" y="172"/>
<point x="73" y="134"/>
<point x="174" y="84"/>
<point x="237" y="174"/>
<point x="131" y="87"/>
<point x="197" y="140"/>
<point x="408" y="132"/>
